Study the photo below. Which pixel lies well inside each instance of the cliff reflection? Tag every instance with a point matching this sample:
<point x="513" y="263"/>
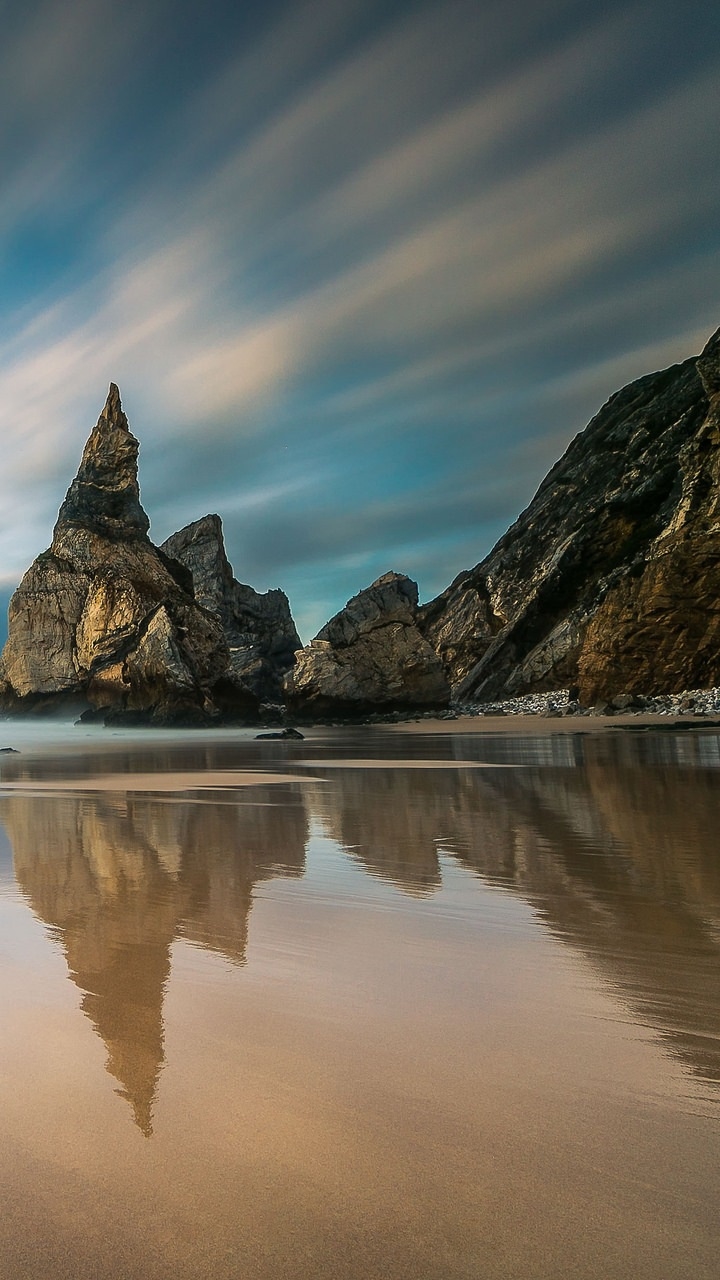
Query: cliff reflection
<point x="618" y="856"/>
<point x="118" y="878"/>
<point x="612" y="840"/>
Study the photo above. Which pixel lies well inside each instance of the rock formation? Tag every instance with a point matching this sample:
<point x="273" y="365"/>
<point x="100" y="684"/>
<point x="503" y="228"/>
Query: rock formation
<point x="106" y="618"/>
<point x="609" y="580"/>
<point x="611" y="577"/>
<point x="370" y="655"/>
<point x="259" y="629"/>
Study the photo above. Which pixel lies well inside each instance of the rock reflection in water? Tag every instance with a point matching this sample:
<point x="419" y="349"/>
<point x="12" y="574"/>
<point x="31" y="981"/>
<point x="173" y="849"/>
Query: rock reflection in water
<point x="617" y="853"/>
<point x="118" y="878"/>
<point x="387" y="821"/>
<point x="612" y="839"/>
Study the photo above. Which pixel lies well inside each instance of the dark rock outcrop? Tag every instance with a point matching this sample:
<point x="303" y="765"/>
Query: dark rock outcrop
<point x="370" y="655"/>
<point x="611" y="577"/>
<point x="107" y="619"/>
<point x="259" y="629"/>
<point x="609" y="581"/>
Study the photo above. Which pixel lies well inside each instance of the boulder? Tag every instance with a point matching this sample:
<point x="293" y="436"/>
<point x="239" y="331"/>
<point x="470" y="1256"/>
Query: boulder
<point x="370" y="656"/>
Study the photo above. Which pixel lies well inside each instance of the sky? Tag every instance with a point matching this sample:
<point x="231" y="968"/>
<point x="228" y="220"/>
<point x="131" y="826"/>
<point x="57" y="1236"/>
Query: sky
<point x="361" y="270"/>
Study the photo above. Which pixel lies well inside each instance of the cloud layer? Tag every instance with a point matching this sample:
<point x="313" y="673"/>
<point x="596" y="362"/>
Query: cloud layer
<point x="361" y="272"/>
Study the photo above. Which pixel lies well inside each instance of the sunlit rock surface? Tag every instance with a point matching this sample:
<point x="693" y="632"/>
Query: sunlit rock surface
<point x="609" y="580"/>
<point x="107" y="619"/>
<point x="371" y="654"/>
<point x="103" y="614"/>
<point x="611" y="577"/>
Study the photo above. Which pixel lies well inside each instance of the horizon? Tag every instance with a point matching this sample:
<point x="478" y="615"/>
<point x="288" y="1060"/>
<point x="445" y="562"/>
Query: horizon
<point x="361" y="271"/>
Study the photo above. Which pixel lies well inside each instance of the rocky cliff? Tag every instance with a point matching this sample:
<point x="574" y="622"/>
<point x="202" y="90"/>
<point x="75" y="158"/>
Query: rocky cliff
<point x="370" y="655"/>
<point x="107" y="618"/>
<point x="259" y="629"/>
<point x="610" y="579"/>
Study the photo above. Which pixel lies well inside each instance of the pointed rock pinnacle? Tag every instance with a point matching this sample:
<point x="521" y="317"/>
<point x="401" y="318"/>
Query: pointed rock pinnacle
<point x="113" y="414"/>
<point x="104" y="497"/>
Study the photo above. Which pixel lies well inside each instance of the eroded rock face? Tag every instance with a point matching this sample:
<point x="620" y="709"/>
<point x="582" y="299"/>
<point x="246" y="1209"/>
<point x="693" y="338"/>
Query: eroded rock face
<point x="259" y="629"/>
<point x="660" y="627"/>
<point x="370" y="655"/>
<point x="104" y="497"/>
<point x="103" y="614"/>
<point x="611" y="577"/>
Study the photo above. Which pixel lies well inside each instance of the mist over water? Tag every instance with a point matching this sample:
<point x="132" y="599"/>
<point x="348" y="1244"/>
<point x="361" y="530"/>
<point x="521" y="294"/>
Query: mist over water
<point x="375" y="1004"/>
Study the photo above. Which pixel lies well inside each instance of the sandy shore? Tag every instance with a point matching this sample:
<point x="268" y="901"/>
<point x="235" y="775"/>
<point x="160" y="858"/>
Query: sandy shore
<point x="542" y="725"/>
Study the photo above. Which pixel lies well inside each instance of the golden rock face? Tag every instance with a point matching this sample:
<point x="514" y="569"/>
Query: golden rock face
<point x="370" y="654"/>
<point x="108" y="619"/>
<point x="100" y="614"/>
<point x="39" y="656"/>
<point x="664" y="622"/>
<point x="103" y="615"/>
<point x="111" y="614"/>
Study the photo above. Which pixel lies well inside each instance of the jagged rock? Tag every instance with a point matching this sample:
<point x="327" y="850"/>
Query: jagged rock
<point x="43" y="615"/>
<point x="369" y="655"/>
<point x="259" y="629"/>
<point x="660" y="627"/>
<point x="611" y="577"/>
<point x="161" y="635"/>
<point x="104" y="497"/>
<point x="103" y="613"/>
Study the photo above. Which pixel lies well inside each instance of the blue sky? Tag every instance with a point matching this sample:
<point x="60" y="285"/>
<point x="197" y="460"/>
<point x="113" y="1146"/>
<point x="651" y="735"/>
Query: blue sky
<point x="361" y="270"/>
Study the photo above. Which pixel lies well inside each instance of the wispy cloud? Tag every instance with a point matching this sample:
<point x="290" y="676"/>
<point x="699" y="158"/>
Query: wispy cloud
<point x="369" y="252"/>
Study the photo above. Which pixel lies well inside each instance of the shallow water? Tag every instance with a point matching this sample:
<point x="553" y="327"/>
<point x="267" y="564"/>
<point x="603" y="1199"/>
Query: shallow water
<point x="372" y="1005"/>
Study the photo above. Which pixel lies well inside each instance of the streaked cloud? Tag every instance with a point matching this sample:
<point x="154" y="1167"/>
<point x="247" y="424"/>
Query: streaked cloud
<point x="360" y="276"/>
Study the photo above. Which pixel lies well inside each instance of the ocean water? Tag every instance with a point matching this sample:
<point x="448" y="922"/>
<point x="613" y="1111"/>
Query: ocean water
<point x="376" y="1005"/>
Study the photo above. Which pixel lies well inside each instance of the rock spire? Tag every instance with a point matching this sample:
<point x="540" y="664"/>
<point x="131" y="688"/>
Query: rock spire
<point x="104" y="497"/>
<point x="609" y="580"/>
<point x="105" y="618"/>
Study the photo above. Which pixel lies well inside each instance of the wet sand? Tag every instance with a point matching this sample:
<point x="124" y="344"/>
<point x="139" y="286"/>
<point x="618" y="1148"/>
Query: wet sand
<point x="208" y="780"/>
<point x="523" y="725"/>
<point x="366" y="1017"/>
